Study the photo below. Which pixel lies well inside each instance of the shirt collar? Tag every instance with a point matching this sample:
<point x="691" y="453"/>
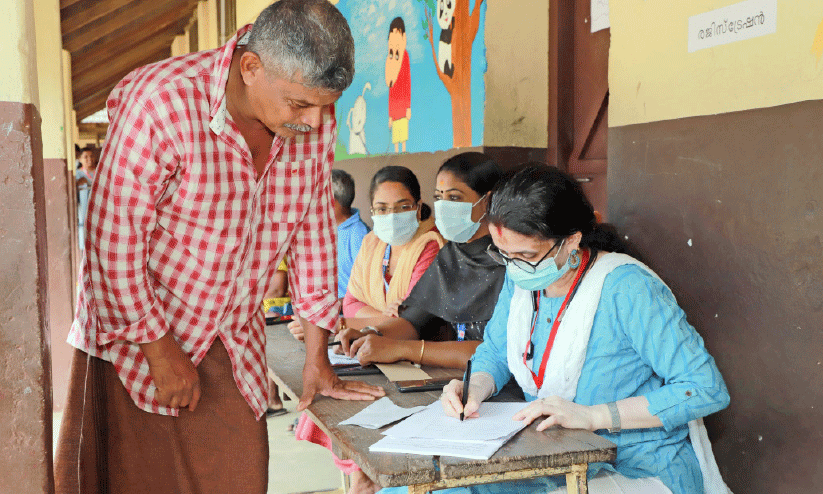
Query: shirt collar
<point x="219" y="78"/>
<point x="354" y="218"/>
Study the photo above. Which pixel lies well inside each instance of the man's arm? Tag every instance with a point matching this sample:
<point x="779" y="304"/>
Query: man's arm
<point x="137" y="160"/>
<point x="314" y="286"/>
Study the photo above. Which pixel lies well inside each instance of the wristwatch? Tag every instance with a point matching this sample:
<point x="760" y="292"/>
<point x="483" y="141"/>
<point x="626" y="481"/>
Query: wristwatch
<point x="615" y="428"/>
<point x="371" y="329"/>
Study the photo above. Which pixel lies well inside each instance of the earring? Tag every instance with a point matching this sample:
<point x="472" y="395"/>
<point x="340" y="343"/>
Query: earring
<point x="574" y="259"/>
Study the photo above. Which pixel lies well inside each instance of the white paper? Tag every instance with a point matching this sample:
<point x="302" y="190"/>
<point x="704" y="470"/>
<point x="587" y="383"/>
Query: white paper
<point x="381" y="412"/>
<point x="434" y="447"/>
<point x="600" y="15"/>
<point x="341" y="358"/>
<point x="495" y="421"/>
<point x="744" y="20"/>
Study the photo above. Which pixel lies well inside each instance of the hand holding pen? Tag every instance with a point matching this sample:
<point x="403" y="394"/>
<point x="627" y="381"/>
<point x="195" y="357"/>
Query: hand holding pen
<point x="479" y="387"/>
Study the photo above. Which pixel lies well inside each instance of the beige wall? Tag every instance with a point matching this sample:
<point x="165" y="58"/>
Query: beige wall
<point x="18" y="63"/>
<point x="247" y="10"/>
<point x="652" y="76"/>
<point x="50" y="77"/>
<point x="207" y="24"/>
<point x="517" y="79"/>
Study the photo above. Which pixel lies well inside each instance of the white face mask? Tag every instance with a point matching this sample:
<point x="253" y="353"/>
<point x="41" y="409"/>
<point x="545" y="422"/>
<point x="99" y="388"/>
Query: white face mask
<point x="454" y="220"/>
<point x="395" y="228"/>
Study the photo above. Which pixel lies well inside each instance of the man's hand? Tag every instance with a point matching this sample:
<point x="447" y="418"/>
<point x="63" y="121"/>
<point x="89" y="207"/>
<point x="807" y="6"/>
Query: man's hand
<point x="319" y="377"/>
<point x="176" y="378"/>
<point x="322" y="379"/>
<point x="296" y="329"/>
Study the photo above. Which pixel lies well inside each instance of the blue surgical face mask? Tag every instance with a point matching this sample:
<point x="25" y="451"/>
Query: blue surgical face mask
<point x="395" y="228"/>
<point x="547" y="273"/>
<point x="454" y="220"/>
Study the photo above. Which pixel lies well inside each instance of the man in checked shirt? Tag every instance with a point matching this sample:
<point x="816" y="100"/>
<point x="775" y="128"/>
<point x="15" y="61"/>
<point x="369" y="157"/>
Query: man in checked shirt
<point x="216" y="163"/>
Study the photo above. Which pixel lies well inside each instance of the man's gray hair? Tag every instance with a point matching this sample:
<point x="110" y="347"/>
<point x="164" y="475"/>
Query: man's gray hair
<point x="307" y="41"/>
<point x="342" y="187"/>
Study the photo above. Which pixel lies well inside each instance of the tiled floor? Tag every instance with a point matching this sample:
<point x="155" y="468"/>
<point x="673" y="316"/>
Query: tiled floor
<point x="294" y="466"/>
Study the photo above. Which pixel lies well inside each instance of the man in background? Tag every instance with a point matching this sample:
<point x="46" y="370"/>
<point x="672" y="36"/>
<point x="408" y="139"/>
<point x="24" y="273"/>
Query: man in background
<point x="350" y="228"/>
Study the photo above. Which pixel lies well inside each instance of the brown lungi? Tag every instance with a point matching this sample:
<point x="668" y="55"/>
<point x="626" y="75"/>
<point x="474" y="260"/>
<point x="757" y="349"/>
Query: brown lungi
<point x="219" y="448"/>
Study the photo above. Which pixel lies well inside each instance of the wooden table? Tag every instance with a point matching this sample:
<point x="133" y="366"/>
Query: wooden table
<point x="529" y="454"/>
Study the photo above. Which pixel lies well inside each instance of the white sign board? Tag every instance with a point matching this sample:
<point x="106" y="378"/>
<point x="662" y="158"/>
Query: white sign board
<point x="744" y="20"/>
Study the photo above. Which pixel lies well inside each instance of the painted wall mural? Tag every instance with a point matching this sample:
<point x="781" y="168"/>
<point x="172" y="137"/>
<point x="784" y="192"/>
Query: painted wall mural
<point x="418" y="85"/>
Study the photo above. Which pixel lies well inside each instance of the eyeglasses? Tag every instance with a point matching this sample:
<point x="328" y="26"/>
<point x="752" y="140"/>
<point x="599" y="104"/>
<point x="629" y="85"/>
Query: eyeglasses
<point x="523" y="264"/>
<point x="403" y="208"/>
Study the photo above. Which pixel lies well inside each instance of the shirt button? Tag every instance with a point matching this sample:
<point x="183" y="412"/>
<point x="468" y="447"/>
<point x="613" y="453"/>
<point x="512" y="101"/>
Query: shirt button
<point x="688" y="393"/>
<point x="549" y="319"/>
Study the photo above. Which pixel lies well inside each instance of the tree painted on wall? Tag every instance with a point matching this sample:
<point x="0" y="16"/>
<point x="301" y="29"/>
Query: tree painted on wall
<point x="453" y="56"/>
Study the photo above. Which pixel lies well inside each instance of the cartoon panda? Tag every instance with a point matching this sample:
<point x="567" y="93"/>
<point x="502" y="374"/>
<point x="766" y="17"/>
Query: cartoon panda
<point x="445" y="18"/>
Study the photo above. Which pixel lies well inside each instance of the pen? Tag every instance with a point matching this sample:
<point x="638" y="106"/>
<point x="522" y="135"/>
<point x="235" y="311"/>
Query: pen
<point x="466" y="378"/>
<point x="335" y="343"/>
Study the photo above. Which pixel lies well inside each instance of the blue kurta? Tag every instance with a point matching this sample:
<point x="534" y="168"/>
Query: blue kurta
<point x="640" y="345"/>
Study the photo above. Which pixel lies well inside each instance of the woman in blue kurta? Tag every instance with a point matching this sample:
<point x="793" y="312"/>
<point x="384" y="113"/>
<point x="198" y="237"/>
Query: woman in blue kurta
<point x="621" y="361"/>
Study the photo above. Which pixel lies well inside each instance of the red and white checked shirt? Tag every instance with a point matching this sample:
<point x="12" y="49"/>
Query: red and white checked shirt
<point x="183" y="236"/>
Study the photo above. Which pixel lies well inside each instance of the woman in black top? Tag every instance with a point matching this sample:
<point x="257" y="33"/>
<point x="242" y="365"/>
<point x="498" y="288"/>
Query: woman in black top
<point x="457" y="293"/>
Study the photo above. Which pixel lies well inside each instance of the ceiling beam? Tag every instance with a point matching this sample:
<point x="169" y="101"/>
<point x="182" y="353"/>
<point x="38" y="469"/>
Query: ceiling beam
<point x="140" y="16"/>
<point x="87" y="11"/>
<point x="109" y="75"/>
<point x="86" y="64"/>
<point x="64" y="4"/>
<point x="131" y="39"/>
<point x="97" y="100"/>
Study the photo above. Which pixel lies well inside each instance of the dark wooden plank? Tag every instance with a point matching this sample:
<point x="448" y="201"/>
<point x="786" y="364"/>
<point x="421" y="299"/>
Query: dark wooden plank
<point x="87" y="11"/>
<point x="81" y="65"/>
<point x="145" y="14"/>
<point x="131" y="40"/>
<point x="529" y="449"/>
<point x="108" y="75"/>
<point x="142" y="16"/>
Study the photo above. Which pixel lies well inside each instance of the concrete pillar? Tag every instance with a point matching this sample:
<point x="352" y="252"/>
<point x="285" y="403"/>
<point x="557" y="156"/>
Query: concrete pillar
<point x="25" y="376"/>
<point x="59" y="184"/>
<point x="207" y="24"/>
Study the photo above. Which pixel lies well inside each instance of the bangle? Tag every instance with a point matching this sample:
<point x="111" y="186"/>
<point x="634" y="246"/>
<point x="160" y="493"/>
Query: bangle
<point x="615" y="413"/>
<point x="422" y="349"/>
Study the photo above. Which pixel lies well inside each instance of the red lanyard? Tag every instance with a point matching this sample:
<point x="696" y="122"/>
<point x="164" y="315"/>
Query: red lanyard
<point x="538" y="378"/>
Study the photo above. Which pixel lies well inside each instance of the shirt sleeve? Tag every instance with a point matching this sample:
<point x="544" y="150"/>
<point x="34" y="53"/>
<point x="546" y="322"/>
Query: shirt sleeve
<point x="490" y="356"/>
<point x="648" y="314"/>
<point x="423" y="262"/>
<point x="137" y="160"/>
<point x="312" y="252"/>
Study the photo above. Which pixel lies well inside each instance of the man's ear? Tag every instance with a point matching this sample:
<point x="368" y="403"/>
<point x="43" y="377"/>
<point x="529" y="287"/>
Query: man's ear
<point x="251" y="67"/>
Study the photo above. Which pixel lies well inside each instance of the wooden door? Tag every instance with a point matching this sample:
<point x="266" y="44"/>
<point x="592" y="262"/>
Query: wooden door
<point x="579" y="97"/>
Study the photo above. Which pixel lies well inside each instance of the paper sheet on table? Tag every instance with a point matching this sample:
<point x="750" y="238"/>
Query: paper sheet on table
<point x="403" y="371"/>
<point x="495" y="421"/>
<point x="381" y="412"/>
<point x="482" y="450"/>
<point x="341" y="358"/>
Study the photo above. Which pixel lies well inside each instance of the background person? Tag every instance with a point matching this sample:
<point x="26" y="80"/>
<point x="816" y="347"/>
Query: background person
<point x="595" y="340"/>
<point x="350" y="228"/>
<point x="397" y="252"/>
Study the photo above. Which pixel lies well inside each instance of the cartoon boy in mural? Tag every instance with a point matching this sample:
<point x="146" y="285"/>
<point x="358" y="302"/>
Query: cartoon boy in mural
<point x="398" y="79"/>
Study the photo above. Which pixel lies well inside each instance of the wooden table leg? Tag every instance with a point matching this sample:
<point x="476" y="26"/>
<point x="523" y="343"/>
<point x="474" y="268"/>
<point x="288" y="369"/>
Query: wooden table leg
<point x="576" y="480"/>
<point x="417" y="489"/>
